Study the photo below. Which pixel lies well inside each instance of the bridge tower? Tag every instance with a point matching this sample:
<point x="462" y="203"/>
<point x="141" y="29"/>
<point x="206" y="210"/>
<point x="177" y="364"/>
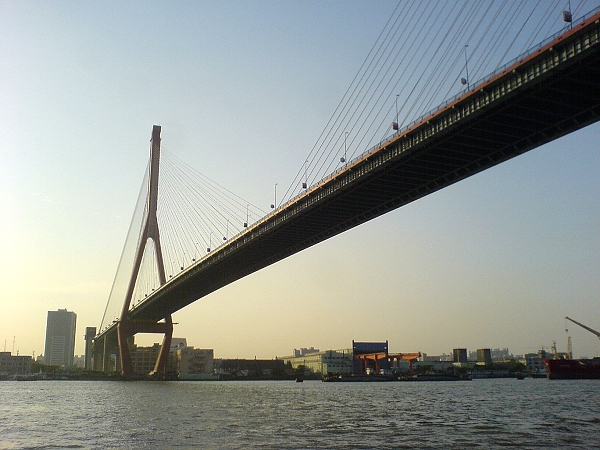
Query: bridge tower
<point x="126" y="327"/>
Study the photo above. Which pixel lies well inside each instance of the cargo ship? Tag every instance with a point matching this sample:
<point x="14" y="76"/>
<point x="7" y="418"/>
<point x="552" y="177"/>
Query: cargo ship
<point x="573" y="369"/>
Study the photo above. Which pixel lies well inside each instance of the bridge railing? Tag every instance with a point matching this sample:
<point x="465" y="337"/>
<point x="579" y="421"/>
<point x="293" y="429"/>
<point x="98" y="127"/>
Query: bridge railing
<point x="442" y="105"/>
<point x="480" y="82"/>
<point x="474" y="86"/>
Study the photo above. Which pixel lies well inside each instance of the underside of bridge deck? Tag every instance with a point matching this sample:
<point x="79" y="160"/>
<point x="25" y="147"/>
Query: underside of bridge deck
<point x="495" y="128"/>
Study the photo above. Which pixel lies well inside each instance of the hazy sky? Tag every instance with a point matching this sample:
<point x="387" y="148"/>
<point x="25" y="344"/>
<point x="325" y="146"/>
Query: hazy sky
<point x="242" y="91"/>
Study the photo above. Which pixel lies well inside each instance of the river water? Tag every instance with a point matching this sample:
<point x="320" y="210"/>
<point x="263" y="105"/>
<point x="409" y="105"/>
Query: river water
<point x="496" y="413"/>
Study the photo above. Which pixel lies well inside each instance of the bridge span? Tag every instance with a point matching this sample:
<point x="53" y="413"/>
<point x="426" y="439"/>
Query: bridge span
<point x="552" y="91"/>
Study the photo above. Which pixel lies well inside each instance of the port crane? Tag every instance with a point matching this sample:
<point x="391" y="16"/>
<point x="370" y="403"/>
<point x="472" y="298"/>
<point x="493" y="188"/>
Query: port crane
<point x="597" y="333"/>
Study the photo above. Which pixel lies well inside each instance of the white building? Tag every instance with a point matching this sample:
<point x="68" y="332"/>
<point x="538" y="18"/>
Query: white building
<point x="305" y="351"/>
<point x="194" y="361"/>
<point x="328" y="361"/>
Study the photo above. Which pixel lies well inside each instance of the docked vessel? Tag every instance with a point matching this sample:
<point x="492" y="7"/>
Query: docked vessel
<point x="571" y="369"/>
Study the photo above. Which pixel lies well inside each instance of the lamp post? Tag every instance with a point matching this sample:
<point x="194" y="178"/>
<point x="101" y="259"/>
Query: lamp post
<point x="395" y="123"/>
<point x="305" y="183"/>
<point x="275" y="199"/>
<point x="466" y="80"/>
<point x="343" y="158"/>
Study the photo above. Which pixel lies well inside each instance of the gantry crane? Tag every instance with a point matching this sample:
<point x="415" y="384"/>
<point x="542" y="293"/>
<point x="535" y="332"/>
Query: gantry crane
<point x="597" y="333"/>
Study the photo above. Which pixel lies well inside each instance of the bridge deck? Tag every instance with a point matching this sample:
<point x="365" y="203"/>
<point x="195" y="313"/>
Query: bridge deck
<point x="548" y="94"/>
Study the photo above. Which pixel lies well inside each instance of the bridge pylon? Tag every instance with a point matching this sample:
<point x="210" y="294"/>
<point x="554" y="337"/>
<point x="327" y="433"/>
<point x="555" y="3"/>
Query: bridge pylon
<point x="127" y="328"/>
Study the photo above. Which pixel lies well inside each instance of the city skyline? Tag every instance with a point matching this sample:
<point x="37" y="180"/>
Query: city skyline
<point x="500" y="352"/>
<point x="471" y="352"/>
<point x="501" y="257"/>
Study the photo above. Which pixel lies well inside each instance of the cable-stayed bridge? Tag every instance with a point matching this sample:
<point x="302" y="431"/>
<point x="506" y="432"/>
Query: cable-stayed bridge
<point x="552" y="90"/>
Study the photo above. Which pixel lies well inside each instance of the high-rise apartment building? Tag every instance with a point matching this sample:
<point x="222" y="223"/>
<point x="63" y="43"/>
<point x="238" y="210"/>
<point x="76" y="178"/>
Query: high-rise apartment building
<point x="60" y="338"/>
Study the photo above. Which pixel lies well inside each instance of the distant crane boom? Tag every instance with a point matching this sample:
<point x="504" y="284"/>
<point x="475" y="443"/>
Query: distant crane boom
<point x="597" y="333"/>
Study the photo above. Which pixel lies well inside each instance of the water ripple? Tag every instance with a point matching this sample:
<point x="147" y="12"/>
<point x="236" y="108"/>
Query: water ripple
<point x="484" y="414"/>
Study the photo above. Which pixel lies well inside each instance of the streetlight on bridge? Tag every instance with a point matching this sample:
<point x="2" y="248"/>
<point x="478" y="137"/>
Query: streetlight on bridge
<point x="275" y="200"/>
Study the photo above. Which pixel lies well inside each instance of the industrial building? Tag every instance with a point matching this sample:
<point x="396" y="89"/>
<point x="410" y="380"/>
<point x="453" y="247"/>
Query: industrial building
<point x="143" y="359"/>
<point x="250" y="368"/>
<point x="366" y="348"/>
<point x="60" y="338"/>
<point x="363" y="358"/>
<point x="188" y="362"/>
<point x="324" y="362"/>
<point x="11" y="365"/>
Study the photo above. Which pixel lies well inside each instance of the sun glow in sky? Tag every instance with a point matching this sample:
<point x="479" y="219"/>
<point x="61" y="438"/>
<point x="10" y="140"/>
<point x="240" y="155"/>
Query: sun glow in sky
<point x="242" y="91"/>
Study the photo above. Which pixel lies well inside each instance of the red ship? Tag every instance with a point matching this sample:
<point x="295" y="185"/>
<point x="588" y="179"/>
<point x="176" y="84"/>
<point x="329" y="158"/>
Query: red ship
<point x="571" y="369"/>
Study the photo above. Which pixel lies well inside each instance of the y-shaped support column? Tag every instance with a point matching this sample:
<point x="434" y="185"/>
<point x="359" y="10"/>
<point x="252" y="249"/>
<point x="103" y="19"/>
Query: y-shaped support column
<point x="127" y="328"/>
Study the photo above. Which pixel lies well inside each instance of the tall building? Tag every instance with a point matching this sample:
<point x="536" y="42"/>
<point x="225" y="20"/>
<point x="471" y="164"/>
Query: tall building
<point x="90" y="334"/>
<point x="484" y="356"/>
<point x="60" y="338"/>
<point x="459" y="355"/>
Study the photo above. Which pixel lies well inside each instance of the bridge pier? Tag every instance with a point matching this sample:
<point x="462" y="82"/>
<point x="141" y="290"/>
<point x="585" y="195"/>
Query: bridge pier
<point x="104" y="351"/>
<point x="163" y="356"/>
<point x="124" y="349"/>
<point x="127" y="329"/>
